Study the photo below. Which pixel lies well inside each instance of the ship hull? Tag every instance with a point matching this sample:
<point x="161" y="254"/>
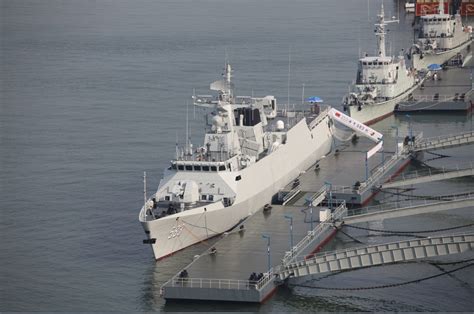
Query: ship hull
<point x="437" y="58"/>
<point x="258" y="184"/>
<point x="372" y="113"/>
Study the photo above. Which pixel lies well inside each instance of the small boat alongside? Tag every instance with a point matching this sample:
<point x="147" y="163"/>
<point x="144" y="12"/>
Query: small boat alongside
<point x="382" y="81"/>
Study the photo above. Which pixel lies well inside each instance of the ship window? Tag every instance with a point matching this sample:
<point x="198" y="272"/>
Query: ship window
<point x="211" y="197"/>
<point x="205" y="168"/>
<point x="213" y="168"/>
<point x="167" y="198"/>
<point x="237" y="178"/>
<point x="180" y="167"/>
<point x="189" y="168"/>
<point x="222" y="168"/>
<point x="204" y="197"/>
<point x="197" y="168"/>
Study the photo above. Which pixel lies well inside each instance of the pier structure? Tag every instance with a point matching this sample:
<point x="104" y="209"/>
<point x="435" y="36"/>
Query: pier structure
<point x="248" y="265"/>
<point x="302" y="260"/>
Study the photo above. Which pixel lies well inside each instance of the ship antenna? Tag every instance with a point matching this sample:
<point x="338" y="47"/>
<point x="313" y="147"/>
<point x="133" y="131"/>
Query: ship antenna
<point x="302" y="95"/>
<point x="194" y="107"/>
<point x="441" y="7"/>
<point x="186" y="152"/>
<point x="368" y="11"/>
<point x="144" y="189"/>
<point x="289" y="75"/>
<point x="177" y="148"/>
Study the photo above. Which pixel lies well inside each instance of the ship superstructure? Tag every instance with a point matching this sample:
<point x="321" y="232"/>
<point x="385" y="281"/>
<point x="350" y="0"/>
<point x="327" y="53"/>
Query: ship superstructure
<point x="251" y="150"/>
<point x="382" y="81"/>
<point x="440" y="37"/>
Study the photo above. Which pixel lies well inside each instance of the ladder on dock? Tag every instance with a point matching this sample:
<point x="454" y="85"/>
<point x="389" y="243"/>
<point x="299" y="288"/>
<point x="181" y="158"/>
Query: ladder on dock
<point x="443" y="142"/>
<point x="378" y="255"/>
<point x="430" y="175"/>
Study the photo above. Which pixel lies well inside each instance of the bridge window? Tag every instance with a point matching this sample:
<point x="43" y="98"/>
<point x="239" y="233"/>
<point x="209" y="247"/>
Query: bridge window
<point x="204" y="197"/>
<point x="221" y="168"/>
<point x="189" y="167"/>
<point x="180" y="167"/>
<point x="197" y="168"/>
<point x="213" y="168"/>
<point x="205" y="168"/>
<point x="211" y="197"/>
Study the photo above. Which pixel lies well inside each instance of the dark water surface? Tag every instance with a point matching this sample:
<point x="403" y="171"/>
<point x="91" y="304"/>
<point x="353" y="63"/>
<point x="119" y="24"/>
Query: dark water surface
<point x="93" y="93"/>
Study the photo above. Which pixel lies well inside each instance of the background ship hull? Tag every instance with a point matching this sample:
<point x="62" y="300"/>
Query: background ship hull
<point x="371" y="113"/>
<point x="438" y="58"/>
<point x="259" y="183"/>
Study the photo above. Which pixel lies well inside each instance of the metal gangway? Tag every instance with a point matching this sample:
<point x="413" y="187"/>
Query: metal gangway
<point x="315" y="234"/>
<point x="379" y="254"/>
<point x="443" y="142"/>
<point x="407" y="208"/>
<point x="430" y="175"/>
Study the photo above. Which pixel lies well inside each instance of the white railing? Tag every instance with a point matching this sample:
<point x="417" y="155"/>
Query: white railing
<point x="434" y="97"/>
<point x="293" y="192"/>
<point x="211" y="283"/>
<point x="214" y="283"/>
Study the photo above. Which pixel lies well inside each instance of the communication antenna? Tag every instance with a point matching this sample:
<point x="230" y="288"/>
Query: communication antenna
<point x="194" y="107"/>
<point x="186" y="151"/>
<point x="144" y="189"/>
<point x="302" y="95"/>
<point x="177" y="148"/>
<point x="289" y="75"/>
<point x="368" y="11"/>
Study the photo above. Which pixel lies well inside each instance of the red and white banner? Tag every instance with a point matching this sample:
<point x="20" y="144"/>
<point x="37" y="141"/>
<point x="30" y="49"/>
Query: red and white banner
<point x="467" y="8"/>
<point x="355" y="125"/>
<point x="375" y="149"/>
<point x="430" y="8"/>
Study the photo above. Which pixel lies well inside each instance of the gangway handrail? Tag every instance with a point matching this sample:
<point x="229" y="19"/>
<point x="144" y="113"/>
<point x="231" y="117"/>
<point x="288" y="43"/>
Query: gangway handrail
<point x="319" y="193"/>
<point x="317" y="231"/>
<point x="432" y="141"/>
<point x="381" y="248"/>
<point x="293" y="192"/>
<point x="429" y="172"/>
<point x="405" y="205"/>
<point x="387" y="165"/>
<point x="388" y="244"/>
